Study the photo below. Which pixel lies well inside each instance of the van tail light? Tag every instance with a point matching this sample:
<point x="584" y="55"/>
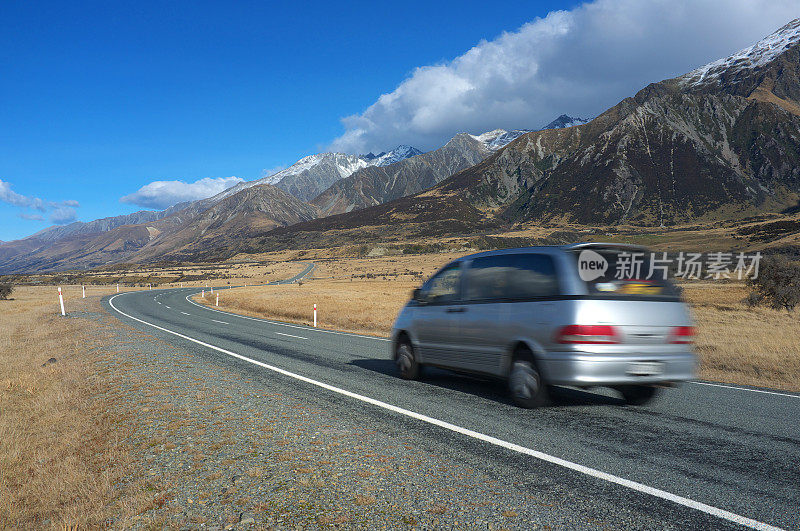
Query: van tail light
<point x="588" y="334"/>
<point x="682" y="334"/>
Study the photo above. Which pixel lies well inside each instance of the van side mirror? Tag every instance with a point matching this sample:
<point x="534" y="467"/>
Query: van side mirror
<point x="417" y="295"/>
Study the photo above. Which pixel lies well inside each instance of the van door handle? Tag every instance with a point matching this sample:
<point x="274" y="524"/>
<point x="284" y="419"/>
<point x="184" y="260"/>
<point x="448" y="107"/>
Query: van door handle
<point x="459" y="309"/>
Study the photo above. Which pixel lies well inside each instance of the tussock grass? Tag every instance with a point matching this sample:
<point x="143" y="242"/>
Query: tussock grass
<point x="60" y="450"/>
<point x="735" y="343"/>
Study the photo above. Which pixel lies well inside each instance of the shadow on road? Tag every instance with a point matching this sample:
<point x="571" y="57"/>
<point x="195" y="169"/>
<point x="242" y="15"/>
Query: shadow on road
<point x="487" y="388"/>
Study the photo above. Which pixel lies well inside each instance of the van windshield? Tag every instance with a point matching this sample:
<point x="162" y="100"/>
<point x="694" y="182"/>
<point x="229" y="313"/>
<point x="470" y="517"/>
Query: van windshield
<point x="620" y="272"/>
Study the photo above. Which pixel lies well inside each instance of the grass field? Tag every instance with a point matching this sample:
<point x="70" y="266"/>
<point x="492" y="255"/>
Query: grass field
<point x="60" y="449"/>
<point x="736" y="344"/>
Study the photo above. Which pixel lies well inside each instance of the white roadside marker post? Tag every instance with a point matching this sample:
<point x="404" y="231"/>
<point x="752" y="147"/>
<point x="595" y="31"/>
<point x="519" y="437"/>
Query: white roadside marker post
<point x="217" y="304"/>
<point x="117" y="287"/>
<point x="204" y="294"/>
<point x="61" y="301"/>
<point x="149" y="286"/>
<point x="181" y="284"/>
<point x="212" y="289"/>
<point x="315" y="316"/>
<point x="83" y="292"/>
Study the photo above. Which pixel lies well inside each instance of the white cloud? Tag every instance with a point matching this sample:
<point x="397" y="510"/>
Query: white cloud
<point x="63" y="215"/>
<point x="267" y="172"/>
<point x="164" y="194"/>
<point x="61" y="212"/>
<point x="578" y="62"/>
<point x="7" y="195"/>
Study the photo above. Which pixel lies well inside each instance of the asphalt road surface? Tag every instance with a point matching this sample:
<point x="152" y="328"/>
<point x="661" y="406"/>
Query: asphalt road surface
<point x="702" y="455"/>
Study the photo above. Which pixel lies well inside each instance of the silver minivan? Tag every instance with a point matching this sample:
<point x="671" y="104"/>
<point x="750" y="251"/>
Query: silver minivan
<point x="582" y="315"/>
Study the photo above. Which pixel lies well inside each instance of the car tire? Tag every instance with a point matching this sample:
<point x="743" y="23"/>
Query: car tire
<point x="526" y="385"/>
<point x="406" y="361"/>
<point x="638" y="395"/>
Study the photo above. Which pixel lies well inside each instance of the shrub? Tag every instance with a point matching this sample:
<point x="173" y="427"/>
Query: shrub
<point x="5" y="291"/>
<point x="777" y="284"/>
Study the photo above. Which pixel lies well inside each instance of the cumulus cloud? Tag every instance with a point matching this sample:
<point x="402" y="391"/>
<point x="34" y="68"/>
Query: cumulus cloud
<point x="7" y="195"/>
<point x="578" y="62"/>
<point x="63" y="215"/>
<point x="164" y="194"/>
<point x="61" y="212"/>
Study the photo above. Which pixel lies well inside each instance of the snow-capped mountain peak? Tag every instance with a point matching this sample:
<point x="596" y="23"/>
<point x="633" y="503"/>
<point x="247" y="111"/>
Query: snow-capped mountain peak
<point x="498" y="138"/>
<point x="753" y="57"/>
<point x="384" y="158"/>
<point x="565" y="121"/>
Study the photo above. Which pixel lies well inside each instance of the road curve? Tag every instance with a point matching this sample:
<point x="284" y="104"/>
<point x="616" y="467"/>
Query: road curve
<point x="699" y="456"/>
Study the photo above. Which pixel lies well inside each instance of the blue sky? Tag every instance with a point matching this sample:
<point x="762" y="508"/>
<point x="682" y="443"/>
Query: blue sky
<point x="102" y="98"/>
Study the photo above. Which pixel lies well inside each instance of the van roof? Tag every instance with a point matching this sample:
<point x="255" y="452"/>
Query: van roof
<point x="551" y="249"/>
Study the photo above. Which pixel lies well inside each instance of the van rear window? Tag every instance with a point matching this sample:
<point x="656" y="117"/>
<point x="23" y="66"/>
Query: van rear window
<point x="616" y="272"/>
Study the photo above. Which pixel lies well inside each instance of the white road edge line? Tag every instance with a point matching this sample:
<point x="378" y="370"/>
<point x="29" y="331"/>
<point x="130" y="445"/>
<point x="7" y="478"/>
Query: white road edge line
<point x="745" y="389"/>
<point x="307" y="329"/>
<point x="290" y="335"/>
<point x="639" y="487"/>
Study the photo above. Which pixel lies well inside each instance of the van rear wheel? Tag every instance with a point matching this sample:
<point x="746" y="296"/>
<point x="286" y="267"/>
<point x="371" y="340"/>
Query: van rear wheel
<point x="526" y="385"/>
<point x="638" y="395"/>
<point x="406" y="361"/>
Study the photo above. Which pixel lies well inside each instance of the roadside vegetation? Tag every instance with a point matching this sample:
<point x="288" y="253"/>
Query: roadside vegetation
<point x="5" y="291"/>
<point x="778" y="285"/>
<point x="60" y="449"/>
<point x="736" y="342"/>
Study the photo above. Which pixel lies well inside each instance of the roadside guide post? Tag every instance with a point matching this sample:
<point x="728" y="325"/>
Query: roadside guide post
<point x="83" y="292"/>
<point x="217" y="304"/>
<point x="315" y="316"/>
<point x="61" y="301"/>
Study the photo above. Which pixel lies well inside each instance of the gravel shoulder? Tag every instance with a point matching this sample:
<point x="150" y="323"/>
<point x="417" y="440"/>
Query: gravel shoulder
<point x="228" y="446"/>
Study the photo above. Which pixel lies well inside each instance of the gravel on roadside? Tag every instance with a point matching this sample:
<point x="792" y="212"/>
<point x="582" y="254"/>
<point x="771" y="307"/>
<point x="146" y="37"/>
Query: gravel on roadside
<point x="228" y="447"/>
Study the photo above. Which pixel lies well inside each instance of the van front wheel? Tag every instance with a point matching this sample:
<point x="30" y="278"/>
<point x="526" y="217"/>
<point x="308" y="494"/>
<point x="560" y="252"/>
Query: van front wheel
<point x="526" y="386"/>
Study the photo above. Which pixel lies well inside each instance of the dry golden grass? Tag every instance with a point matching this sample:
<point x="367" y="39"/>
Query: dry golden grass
<point x="735" y="344"/>
<point x="59" y="446"/>
<point x="357" y="295"/>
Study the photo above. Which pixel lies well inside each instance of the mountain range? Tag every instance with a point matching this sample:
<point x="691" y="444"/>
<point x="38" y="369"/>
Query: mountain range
<point x="721" y="142"/>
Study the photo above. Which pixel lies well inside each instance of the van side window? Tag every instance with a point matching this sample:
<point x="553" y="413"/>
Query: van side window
<point x="445" y="286"/>
<point x="511" y="276"/>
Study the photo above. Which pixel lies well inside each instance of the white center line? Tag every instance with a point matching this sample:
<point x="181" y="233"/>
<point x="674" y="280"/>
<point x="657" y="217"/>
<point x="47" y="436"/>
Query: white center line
<point x="167" y="307"/>
<point x="290" y="335"/>
<point x="222" y="322"/>
<point x="278" y="323"/>
<point x="184" y="313"/>
<point x="588" y="471"/>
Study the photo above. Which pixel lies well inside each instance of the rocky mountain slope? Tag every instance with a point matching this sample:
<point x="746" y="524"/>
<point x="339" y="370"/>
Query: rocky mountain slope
<point x="242" y="215"/>
<point x="378" y="184"/>
<point x="311" y="175"/>
<point x="720" y="142"/>
<point x="58" y="232"/>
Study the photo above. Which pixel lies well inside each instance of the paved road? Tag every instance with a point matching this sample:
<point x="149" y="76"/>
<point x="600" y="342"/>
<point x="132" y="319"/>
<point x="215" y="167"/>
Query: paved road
<point x="699" y="456"/>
